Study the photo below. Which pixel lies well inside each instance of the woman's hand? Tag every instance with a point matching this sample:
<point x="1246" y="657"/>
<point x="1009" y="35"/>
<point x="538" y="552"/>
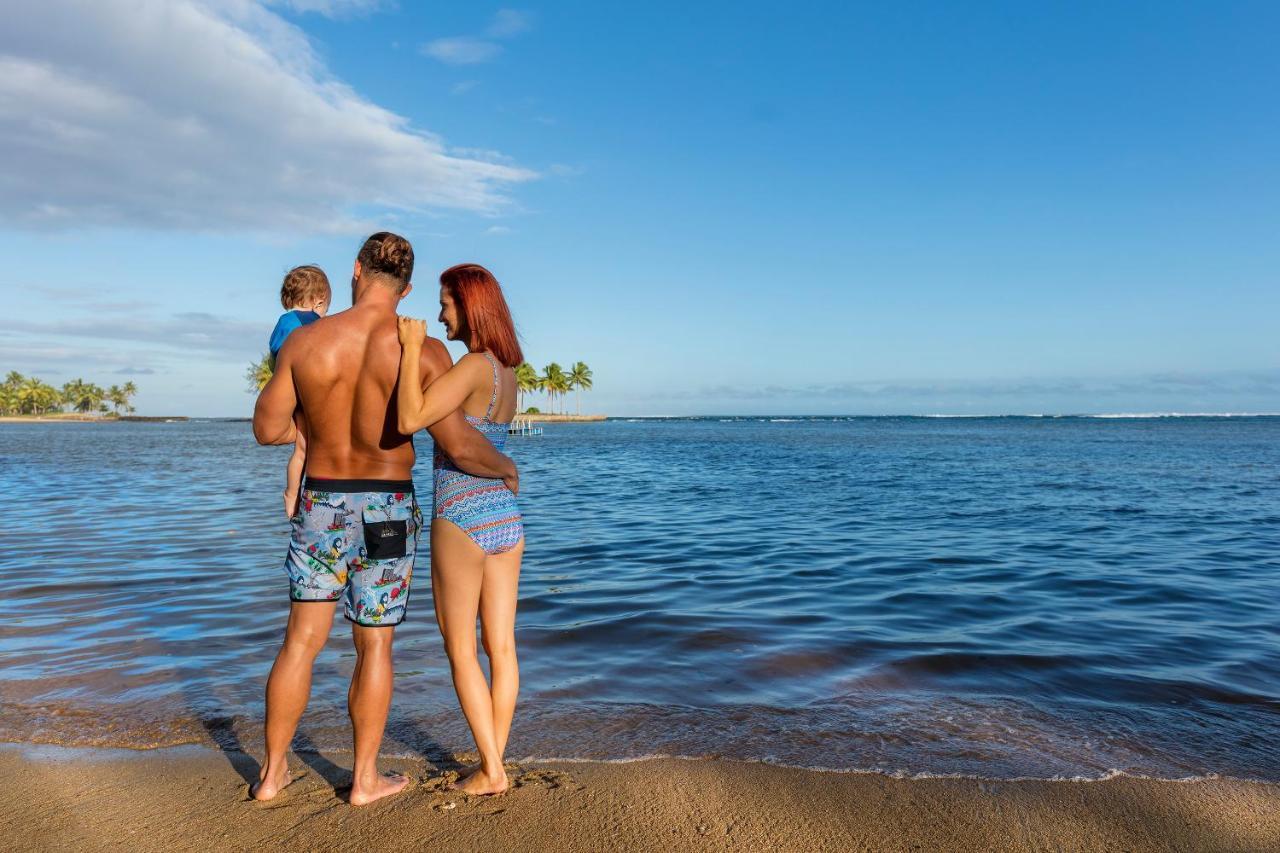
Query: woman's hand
<point x="412" y="331"/>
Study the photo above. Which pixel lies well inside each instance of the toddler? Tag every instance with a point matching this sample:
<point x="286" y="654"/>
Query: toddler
<point x="305" y="296"/>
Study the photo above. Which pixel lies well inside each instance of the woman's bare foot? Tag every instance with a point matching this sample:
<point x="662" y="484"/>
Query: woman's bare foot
<point x="381" y="786"/>
<point x="480" y="784"/>
<point x="266" y="788"/>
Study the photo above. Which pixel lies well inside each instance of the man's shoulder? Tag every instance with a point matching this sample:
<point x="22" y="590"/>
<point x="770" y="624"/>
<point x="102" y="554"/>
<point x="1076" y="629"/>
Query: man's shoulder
<point x="435" y="348"/>
<point x="436" y="360"/>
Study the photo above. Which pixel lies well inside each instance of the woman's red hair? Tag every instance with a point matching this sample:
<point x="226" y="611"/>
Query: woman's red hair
<point x="480" y="301"/>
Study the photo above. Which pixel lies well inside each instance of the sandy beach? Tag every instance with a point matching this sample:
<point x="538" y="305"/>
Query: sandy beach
<point x="195" y="798"/>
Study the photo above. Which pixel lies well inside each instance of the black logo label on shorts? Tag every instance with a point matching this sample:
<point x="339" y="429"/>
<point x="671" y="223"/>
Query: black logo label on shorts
<point x="385" y="540"/>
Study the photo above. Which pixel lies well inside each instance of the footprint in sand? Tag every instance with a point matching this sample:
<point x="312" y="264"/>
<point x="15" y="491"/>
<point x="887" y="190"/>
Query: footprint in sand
<point x="549" y="779"/>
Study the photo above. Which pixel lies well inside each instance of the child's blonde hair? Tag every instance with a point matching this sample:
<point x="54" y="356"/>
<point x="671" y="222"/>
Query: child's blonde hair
<point x="303" y="286"/>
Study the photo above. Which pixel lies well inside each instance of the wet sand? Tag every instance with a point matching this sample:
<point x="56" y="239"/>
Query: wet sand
<point x="195" y="798"/>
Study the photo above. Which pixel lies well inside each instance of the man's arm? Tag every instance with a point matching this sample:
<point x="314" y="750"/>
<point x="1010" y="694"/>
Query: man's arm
<point x="273" y="415"/>
<point x="464" y="444"/>
<point x="470" y="450"/>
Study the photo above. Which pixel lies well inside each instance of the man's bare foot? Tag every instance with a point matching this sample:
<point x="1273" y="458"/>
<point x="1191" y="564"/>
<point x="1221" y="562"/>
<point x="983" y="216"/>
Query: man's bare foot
<point x="264" y="789"/>
<point x="480" y="784"/>
<point x="381" y="786"/>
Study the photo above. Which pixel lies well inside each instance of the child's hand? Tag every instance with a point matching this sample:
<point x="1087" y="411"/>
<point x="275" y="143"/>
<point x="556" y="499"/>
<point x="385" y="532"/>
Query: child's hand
<point x="412" y="331"/>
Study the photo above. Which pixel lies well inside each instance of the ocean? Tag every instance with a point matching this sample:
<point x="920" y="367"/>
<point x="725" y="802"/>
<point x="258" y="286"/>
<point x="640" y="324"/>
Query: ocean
<point x="1002" y="597"/>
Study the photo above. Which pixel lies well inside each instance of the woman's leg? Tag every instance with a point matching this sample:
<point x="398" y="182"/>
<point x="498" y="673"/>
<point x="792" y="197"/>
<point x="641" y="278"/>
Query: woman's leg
<point x="457" y="573"/>
<point x="498" y="632"/>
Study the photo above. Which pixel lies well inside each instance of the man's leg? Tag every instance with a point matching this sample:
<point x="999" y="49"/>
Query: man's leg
<point x="368" y="701"/>
<point x="289" y="688"/>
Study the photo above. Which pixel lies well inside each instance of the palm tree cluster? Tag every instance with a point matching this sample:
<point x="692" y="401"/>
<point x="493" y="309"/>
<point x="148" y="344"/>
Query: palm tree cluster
<point x="27" y="395"/>
<point x="554" y="381"/>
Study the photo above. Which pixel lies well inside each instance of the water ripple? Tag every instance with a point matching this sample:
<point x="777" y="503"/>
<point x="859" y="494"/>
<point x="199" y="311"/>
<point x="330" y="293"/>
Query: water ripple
<point x="1005" y="597"/>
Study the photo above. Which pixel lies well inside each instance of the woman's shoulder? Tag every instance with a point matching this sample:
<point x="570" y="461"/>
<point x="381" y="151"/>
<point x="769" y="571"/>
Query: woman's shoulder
<point x="484" y="359"/>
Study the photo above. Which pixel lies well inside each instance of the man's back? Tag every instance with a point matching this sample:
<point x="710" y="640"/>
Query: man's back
<point x="344" y="369"/>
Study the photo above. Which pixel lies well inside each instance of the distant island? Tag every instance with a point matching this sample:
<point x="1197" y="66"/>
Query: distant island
<point x="27" y="397"/>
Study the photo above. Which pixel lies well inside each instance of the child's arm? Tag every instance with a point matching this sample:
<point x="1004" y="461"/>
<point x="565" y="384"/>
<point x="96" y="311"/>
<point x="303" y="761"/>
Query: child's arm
<point x="293" y="474"/>
<point x="416" y="408"/>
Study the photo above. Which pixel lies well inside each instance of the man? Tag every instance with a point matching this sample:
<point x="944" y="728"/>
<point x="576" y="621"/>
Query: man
<point x="356" y="531"/>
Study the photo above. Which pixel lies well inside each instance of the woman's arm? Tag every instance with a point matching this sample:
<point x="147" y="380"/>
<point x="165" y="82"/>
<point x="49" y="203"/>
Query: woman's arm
<point x="418" y="408"/>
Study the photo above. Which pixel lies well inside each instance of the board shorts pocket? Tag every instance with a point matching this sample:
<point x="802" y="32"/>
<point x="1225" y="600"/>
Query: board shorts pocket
<point x="386" y="539"/>
<point x="388" y="528"/>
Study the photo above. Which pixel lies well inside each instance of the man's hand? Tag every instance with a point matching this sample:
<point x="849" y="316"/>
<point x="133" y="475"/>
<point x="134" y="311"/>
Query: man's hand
<point x="412" y="332"/>
<point x="512" y="480"/>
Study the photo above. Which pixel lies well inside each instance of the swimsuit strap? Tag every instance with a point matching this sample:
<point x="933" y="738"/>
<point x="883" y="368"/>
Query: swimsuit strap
<point x="493" y="399"/>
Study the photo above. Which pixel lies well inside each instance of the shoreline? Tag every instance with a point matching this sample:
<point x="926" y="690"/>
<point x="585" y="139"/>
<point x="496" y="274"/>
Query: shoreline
<point x="89" y="419"/>
<point x="195" y="797"/>
<point x="565" y="419"/>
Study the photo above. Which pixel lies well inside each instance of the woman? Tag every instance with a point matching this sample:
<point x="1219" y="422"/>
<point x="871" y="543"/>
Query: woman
<point x="477" y="536"/>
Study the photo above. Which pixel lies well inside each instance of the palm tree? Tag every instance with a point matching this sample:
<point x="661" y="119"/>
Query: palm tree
<point x="82" y="396"/>
<point x="580" y="379"/>
<point x="117" y="398"/>
<point x="9" y="392"/>
<point x="71" y="392"/>
<point x="259" y="373"/>
<point x="128" y="392"/>
<point x="562" y="390"/>
<point x="37" y="397"/>
<point x="552" y="381"/>
<point x="526" y="380"/>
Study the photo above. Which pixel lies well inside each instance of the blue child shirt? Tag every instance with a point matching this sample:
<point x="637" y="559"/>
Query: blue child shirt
<point x="289" y="322"/>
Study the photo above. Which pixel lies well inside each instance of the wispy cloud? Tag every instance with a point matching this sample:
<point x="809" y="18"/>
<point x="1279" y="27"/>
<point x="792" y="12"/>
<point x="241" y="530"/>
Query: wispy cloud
<point x="462" y="50"/>
<point x="210" y="117"/>
<point x="184" y="332"/>
<point x="473" y="50"/>
<point x="509" y="22"/>
<point x="335" y="8"/>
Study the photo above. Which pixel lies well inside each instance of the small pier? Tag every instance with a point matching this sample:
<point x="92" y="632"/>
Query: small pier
<point x="523" y="425"/>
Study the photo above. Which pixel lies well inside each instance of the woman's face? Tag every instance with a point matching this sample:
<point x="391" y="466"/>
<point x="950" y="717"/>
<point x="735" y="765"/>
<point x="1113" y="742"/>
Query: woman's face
<point x="448" y="314"/>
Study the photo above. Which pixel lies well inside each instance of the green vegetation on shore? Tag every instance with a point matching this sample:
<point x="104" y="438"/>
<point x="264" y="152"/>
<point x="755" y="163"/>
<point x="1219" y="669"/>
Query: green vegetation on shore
<point x="27" y="395"/>
<point x="554" y="381"/>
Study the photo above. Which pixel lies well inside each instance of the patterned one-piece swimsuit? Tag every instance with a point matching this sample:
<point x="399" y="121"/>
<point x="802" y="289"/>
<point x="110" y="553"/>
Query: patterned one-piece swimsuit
<point x="485" y="509"/>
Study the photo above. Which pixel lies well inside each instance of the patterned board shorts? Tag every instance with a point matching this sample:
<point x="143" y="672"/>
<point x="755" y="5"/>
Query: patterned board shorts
<point x="354" y="541"/>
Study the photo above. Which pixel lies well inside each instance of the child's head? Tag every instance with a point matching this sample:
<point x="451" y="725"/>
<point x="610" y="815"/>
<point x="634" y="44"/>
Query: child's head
<point x="305" y="288"/>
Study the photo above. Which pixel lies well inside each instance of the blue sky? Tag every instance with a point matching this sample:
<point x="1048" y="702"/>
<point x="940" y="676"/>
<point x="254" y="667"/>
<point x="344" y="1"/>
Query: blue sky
<point x="722" y="208"/>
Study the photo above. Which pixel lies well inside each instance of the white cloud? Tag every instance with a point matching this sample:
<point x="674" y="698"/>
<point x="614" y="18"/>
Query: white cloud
<point x="497" y="230"/>
<point x="461" y="50"/>
<point x="204" y="116"/>
<point x="463" y="86"/>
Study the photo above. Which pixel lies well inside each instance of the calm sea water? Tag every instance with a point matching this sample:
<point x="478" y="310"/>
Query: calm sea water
<point x="1001" y="597"/>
